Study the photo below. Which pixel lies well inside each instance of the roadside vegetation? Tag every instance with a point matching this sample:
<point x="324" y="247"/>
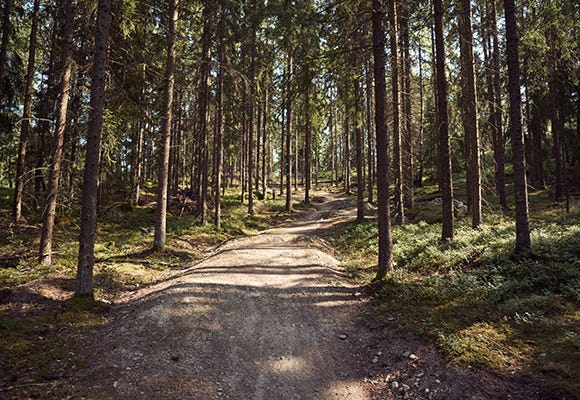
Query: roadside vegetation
<point x="41" y="324"/>
<point x="483" y="306"/>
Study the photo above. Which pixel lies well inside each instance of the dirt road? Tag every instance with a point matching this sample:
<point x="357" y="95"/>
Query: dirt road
<point x="268" y="317"/>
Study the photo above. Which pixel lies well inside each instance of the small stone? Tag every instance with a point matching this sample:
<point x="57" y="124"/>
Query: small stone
<point x="342" y="337"/>
<point x="379" y="353"/>
<point x="405" y="387"/>
<point x="395" y="385"/>
<point x="406" y="396"/>
<point x="375" y="360"/>
<point x="413" y="357"/>
<point x="115" y="384"/>
<point x="406" y="354"/>
<point x="437" y="381"/>
<point x="426" y="390"/>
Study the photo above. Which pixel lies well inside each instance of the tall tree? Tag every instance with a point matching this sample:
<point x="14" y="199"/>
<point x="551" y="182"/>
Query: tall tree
<point x="49" y="213"/>
<point x="288" y="147"/>
<point x="396" y="93"/>
<point x="520" y="185"/>
<point x="308" y="135"/>
<point x="497" y="126"/>
<point x="203" y="109"/>
<point x="444" y="161"/>
<point x="469" y="112"/>
<point x="218" y="145"/>
<point x="163" y="163"/>
<point x="26" y="115"/>
<point x="385" y="262"/>
<point x="6" y="30"/>
<point x="86" y="261"/>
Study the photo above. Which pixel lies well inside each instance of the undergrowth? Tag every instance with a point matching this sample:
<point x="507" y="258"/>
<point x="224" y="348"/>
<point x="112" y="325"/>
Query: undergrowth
<point x="480" y="303"/>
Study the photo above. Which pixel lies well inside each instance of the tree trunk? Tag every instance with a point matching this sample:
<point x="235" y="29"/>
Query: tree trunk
<point x="385" y="262"/>
<point x="358" y="131"/>
<point x="204" y="98"/>
<point x="265" y="141"/>
<point x="395" y="88"/>
<point x="469" y="112"/>
<point x="219" y="148"/>
<point x="445" y="177"/>
<point x="6" y="30"/>
<point x="407" y="136"/>
<point x="26" y="115"/>
<point x="498" y="146"/>
<point x="288" y="166"/>
<point x="161" y="208"/>
<point x="45" y="256"/>
<point x="370" y="154"/>
<point x="519" y="161"/>
<point x="86" y="261"/>
<point x="308" y="134"/>
<point x="137" y="164"/>
<point x="419" y="179"/>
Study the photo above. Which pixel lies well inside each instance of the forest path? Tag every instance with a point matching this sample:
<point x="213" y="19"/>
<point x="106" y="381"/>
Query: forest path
<point x="272" y="317"/>
<point x="268" y="317"/>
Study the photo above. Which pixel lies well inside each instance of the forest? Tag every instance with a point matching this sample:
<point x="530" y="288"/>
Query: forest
<point x="432" y="147"/>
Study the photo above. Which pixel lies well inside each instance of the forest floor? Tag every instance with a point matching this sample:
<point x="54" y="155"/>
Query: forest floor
<point x="269" y="316"/>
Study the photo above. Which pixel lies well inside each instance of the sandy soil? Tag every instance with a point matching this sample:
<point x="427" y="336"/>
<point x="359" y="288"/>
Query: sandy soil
<point x="272" y="317"/>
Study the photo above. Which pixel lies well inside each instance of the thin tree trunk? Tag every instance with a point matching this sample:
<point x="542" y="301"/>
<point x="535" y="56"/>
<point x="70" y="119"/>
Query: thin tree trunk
<point x="265" y="141"/>
<point x="86" y="260"/>
<point x="395" y="86"/>
<point x="445" y="178"/>
<point x="290" y="72"/>
<point x="161" y="208"/>
<point x="407" y="136"/>
<point x="419" y="179"/>
<point x="469" y="106"/>
<point x="385" y="262"/>
<point x="499" y="146"/>
<point x="204" y="98"/>
<point x="370" y="155"/>
<point x="219" y="148"/>
<point x="6" y="30"/>
<point x="26" y="115"/>
<point x="520" y="185"/>
<point x="360" y="186"/>
<point x="282" y="142"/>
<point x="49" y="213"/>
<point x="308" y="132"/>
<point x="137" y="167"/>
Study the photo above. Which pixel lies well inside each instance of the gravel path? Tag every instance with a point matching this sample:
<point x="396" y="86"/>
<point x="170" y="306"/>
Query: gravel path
<point x="272" y="317"/>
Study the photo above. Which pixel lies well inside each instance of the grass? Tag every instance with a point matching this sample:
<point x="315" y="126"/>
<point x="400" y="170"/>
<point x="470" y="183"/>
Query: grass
<point x="41" y="325"/>
<point x="482" y="305"/>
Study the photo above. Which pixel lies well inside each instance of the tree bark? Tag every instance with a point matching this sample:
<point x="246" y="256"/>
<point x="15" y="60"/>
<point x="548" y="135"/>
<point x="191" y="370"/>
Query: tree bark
<point x="498" y="146"/>
<point x="26" y="115"/>
<point x="360" y="186"/>
<point x="407" y="136"/>
<point x="520" y="185"/>
<point x="86" y="261"/>
<point x="204" y="98"/>
<point x="370" y="155"/>
<point x="385" y="262"/>
<point x="308" y="134"/>
<point x="288" y="166"/>
<point x="137" y="164"/>
<point x="396" y="94"/>
<point x="445" y="177"/>
<point x="219" y="148"/>
<point x="161" y="208"/>
<point x="6" y="30"/>
<point x="45" y="254"/>
<point x="469" y="113"/>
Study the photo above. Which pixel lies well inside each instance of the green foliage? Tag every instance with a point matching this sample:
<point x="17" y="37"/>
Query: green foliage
<point x="481" y="304"/>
